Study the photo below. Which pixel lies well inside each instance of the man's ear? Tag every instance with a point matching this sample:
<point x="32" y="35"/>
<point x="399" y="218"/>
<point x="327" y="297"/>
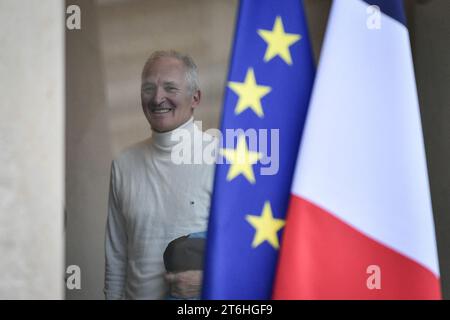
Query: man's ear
<point x="196" y="97"/>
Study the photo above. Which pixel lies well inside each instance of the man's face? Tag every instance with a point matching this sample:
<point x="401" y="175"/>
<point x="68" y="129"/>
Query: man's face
<point x="165" y="95"/>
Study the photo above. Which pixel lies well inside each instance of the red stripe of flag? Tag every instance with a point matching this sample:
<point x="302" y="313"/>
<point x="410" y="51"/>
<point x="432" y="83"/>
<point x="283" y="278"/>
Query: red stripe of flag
<point x="324" y="258"/>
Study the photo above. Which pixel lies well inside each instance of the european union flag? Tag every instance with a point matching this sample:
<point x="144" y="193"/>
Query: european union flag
<point x="267" y="95"/>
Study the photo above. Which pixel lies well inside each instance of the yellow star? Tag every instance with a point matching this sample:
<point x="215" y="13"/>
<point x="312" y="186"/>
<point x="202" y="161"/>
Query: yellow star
<point x="278" y="41"/>
<point x="241" y="160"/>
<point x="250" y="93"/>
<point x="266" y="227"/>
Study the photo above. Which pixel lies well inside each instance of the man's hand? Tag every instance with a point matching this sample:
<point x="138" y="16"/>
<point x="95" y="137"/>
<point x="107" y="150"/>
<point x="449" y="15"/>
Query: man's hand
<point x="185" y="284"/>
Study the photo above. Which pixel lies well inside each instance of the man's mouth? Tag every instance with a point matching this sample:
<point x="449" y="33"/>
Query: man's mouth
<point x="161" y="110"/>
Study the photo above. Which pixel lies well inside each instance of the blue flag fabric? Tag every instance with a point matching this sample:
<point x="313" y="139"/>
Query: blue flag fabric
<point x="268" y="91"/>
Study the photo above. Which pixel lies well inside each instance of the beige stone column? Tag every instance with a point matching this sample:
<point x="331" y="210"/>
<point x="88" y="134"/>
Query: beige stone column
<point x="31" y="149"/>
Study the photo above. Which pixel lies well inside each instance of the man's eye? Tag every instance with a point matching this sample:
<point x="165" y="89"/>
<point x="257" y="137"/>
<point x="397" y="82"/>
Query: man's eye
<point x="148" y="90"/>
<point x="171" y="89"/>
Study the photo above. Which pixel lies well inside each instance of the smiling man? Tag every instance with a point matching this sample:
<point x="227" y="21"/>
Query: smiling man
<point x="152" y="200"/>
<point x="170" y="90"/>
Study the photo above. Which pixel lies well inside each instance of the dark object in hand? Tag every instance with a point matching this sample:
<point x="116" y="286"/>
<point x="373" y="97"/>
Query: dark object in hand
<point x="184" y="253"/>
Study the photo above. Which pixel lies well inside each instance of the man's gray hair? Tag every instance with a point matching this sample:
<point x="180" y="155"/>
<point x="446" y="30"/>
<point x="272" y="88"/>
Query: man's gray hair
<point x="191" y="67"/>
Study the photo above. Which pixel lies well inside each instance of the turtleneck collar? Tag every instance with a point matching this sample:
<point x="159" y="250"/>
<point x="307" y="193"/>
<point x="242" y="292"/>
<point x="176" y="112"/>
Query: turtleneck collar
<point x="163" y="140"/>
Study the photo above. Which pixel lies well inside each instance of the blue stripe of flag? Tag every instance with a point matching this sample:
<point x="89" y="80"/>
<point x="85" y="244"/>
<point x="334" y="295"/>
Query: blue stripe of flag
<point x="392" y="8"/>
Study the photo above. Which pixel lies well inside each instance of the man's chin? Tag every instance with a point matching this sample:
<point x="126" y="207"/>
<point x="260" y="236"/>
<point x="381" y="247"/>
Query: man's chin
<point x="162" y="125"/>
<point x="168" y="123"/>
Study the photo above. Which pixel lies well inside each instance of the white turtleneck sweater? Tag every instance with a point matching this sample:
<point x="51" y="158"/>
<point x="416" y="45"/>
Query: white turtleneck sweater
<point x="151" y="202"/>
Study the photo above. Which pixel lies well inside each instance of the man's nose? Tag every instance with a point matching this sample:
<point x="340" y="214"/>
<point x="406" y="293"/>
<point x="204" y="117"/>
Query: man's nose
<point x="159" y="95"/>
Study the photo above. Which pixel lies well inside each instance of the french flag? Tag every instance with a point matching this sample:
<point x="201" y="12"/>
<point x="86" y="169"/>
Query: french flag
<point x="360" y="222"/>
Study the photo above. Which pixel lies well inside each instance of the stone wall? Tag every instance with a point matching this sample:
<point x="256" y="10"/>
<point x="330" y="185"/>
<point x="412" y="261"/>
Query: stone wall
<point x="31" y="149"/>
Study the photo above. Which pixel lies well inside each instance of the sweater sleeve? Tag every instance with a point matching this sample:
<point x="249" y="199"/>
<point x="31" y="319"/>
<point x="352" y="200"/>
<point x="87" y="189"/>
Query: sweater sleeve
<point x="115" y="243"/>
